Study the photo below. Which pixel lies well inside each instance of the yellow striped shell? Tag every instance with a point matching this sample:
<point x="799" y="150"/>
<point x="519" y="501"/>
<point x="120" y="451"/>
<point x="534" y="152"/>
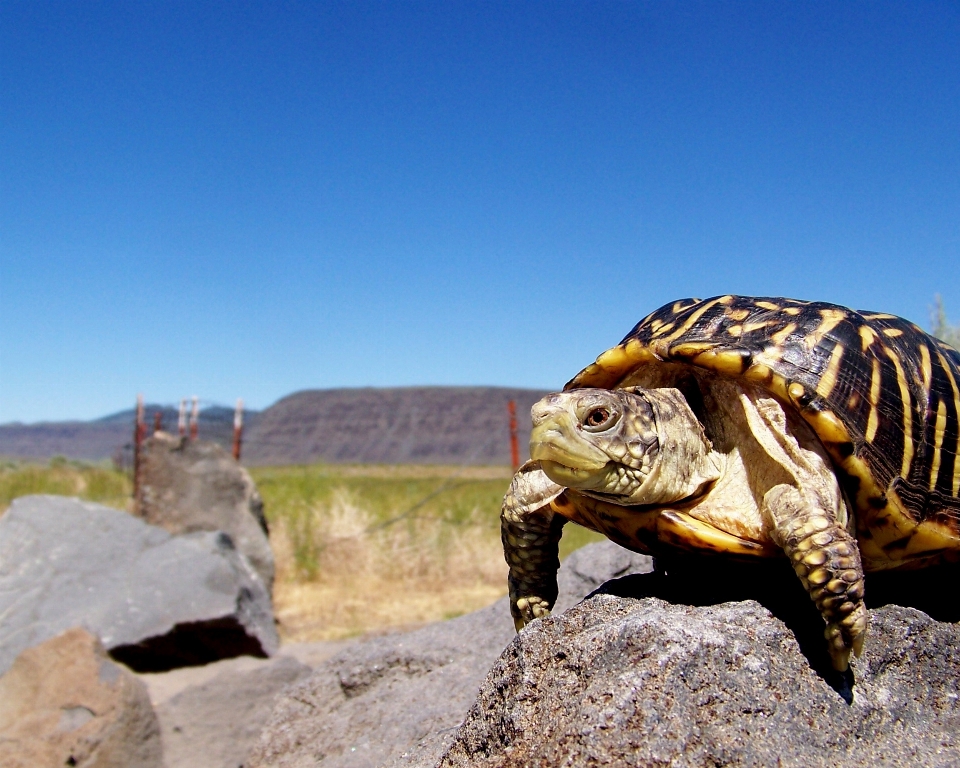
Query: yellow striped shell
<point x="881" y="394"/>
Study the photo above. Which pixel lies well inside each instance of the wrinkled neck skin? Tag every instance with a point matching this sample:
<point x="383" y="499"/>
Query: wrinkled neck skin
<point x="685" y="465"/>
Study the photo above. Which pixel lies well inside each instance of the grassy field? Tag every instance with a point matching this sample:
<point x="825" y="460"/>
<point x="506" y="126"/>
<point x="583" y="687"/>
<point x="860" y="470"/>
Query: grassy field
<point x="358" y="549"/>
<point x="365" y="548"/>
<point x="92" y="482"/>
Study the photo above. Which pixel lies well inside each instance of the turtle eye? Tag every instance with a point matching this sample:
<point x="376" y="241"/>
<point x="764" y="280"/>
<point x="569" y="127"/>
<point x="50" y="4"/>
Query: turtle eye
<point x="599" y="419"/>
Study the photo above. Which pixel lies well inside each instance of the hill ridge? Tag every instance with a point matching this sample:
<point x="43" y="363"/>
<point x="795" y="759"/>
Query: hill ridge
<point x="466" y="424"/>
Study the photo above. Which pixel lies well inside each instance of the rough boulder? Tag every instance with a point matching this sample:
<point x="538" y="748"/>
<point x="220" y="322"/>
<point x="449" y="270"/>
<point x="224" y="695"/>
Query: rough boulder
<point x="64" y="702"/>
<point x="621" y="680"/>
<point x="186" y="486"/>
<point x="397" y="700"/>
<point x="156" y="601"/>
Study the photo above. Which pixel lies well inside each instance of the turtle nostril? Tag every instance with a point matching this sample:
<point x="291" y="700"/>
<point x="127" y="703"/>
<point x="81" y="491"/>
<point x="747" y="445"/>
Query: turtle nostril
<point x="544" y="408"/>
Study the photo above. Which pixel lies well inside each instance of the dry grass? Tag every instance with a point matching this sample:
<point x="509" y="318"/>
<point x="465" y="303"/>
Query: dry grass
<point x="371" y="578"/>
<point x="369" y="548"/>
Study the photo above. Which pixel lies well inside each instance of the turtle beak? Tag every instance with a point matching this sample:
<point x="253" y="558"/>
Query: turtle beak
<point x="556" y="437"/>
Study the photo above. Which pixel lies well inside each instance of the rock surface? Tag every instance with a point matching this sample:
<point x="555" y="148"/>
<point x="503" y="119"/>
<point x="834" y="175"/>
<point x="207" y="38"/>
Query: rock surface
<point x="186" y="486"/>
<point x="625" y="681"/>
<point x="156" y="601"/>
<point x="214" y="724"/>
<point x="65" y="703"/>
<point x="396" y="700"/>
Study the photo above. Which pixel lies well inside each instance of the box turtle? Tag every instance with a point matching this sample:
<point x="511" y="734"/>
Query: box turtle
<point x="752" y="427"/>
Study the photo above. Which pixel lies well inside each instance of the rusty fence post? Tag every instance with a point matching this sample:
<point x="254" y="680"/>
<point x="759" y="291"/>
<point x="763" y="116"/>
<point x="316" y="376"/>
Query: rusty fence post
<point x="238" y="428"/>
<point x="514" y="445"/>
<point x="139" y="432"/>
<point x="194" y="418"/>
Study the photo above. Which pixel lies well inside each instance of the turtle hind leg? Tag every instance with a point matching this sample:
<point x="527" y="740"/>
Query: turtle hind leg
<point x="530" y="530"/>
<point x="826" y="558"/>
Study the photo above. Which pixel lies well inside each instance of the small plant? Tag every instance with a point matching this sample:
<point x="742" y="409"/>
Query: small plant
<point x="940" y="327"/>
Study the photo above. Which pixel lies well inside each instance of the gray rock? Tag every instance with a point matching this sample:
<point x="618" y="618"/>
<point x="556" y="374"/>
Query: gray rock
<point x="397" y="700"/>
<point x="156" y="601"/>
<point x="622" y="681"/>
<point x="64" y="702"/>
<point x="214" y="724"/>
<point x="186" y="486"/>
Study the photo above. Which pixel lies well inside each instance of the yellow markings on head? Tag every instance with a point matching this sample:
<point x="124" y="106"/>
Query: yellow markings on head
<point x="892" y="332"/>
<point x="829" y="378"/>
<point x="656" y="324"/>
<point x="938" y="434"/>
<point x="831" y="319"/>
<point x="781" y="336"/>
<point x="873" y="420"/>
<point x="792" y="311"/>
<point x="867" y="337"/>
<point x="768" y="305"/>
<point x="956" y="409"/>
<point x="738" y="314"/>
<point x="907" y="412"/>
<point x="690" y="321"/>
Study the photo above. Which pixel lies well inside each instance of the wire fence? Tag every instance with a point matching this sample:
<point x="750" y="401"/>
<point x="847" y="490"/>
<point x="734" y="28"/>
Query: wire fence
<point x="213" y="421"/>
<point x="236" y="431"/>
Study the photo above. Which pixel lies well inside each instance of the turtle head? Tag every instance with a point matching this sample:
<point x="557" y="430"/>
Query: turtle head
<point x="628" y="446"/>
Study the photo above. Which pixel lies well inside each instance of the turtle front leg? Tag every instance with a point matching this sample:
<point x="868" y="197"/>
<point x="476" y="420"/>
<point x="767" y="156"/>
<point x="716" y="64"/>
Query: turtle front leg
<point x="530" y="530"/>
<point x="827" y="560"/>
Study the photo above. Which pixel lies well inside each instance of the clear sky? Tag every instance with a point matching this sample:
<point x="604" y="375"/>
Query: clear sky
<point x="246" y="199"/>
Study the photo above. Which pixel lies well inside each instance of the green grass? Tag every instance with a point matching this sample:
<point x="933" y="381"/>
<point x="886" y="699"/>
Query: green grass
<point x="91" y="482"/>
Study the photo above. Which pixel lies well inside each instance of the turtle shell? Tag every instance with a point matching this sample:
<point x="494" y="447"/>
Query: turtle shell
<point x="882" y="395"/>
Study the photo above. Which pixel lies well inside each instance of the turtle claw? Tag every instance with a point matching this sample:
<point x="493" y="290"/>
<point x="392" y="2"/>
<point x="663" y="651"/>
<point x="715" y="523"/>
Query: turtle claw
<point x="528" y="609"/>
<point x="846" y="635"/>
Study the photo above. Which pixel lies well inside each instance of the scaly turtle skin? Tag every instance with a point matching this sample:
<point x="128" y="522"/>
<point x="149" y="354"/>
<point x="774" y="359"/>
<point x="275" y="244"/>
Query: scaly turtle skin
<point x="751" y="427"/>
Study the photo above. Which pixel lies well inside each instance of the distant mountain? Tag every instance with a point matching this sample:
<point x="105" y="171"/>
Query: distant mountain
<point x="405" y="425"/>
<point x="416" y="425"/>
<point x="108" y="437"/>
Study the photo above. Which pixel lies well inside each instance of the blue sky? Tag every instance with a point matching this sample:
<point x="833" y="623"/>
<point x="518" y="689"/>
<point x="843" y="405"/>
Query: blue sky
<point x="247" y="199"/>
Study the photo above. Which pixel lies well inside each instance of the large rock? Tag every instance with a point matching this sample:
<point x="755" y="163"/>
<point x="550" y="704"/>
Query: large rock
<point x="396" y="700"/>
<point x="186" y="486"/>
<point x="156" y="601"/>
<point x="626" y="681"/>
<point x="65" y="703"/>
